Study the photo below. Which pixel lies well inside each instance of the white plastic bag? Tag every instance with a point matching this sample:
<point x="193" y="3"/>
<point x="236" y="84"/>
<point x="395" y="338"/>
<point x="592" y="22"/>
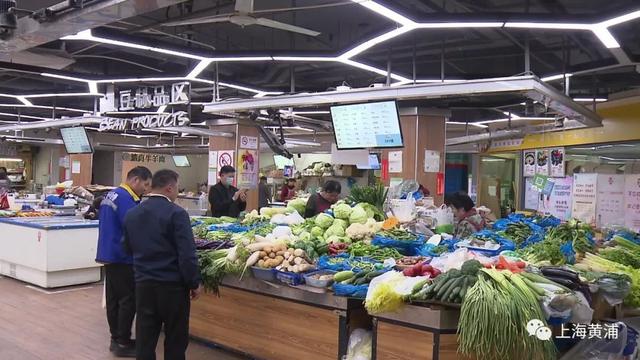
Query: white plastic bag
<point x="360" y="345"/>
<point x="443" y="216"/>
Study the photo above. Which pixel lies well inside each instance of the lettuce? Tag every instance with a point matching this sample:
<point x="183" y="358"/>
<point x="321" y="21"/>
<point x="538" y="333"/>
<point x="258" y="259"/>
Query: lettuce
<point x="339" y="222"/>
<point x="334" y="230"/>
<point x="298" y="205"/>
<point x="317" y="231"/>
<point x="358" y="215"/>
<point x="324" y="220"/>
<point x="342" y="211"/>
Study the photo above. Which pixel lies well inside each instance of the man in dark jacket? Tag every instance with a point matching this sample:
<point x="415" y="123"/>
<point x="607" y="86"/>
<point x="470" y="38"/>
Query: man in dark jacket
<point x="119" y="284"/>
<point x="226" y="199"/>
<point x="158" y="235"/>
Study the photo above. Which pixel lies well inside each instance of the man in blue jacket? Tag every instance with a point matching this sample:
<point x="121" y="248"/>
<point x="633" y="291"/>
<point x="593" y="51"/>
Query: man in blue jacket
<point x="158" y="235"/>
<point x="119" y="281"/>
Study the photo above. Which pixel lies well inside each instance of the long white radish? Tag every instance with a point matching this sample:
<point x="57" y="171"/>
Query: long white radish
<point x="253" y="259"/>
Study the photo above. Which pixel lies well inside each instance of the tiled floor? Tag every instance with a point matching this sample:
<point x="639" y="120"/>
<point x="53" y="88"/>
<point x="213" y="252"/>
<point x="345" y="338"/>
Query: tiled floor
<point x="64" y="324"/>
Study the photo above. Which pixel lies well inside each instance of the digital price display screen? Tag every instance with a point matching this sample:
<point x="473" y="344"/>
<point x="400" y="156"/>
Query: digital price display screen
<point x="367" y="125"/>
<point x="76" y="140"/>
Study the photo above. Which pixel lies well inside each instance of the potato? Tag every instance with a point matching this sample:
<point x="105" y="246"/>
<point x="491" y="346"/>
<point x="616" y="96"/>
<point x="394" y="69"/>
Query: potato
<point x="286" y="254"/>
<point x="272" y="255"/>
<point x="297" y="261"/>
<point x="298" y="252"/>
<point x="260" y="263"/>
<point x="267" y="249"/>
<point x="305" y="267"/>
<point x="263" y="254"/>
<point x="295" y="268"/>
<point x="279" y="258"/>
<point x="266" y="258"/>
<point x="290" y="250"/>
<point x="280" y="253"/>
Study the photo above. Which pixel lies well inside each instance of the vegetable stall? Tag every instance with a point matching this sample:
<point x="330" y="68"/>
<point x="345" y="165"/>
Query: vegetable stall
<point x="351" y="283"/>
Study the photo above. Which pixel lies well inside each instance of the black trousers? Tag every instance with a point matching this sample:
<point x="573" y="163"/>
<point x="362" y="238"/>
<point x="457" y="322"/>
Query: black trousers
<point x="157" y="304"/>
<point x="121" y="300"/>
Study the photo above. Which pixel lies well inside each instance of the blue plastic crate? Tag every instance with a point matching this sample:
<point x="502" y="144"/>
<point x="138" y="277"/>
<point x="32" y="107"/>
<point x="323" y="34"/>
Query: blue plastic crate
<point x="289" y="278"/>
<point x="266" y="274"/>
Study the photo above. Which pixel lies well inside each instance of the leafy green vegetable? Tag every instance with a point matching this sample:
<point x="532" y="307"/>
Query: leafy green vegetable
<point x="358" y="215"/>
<point x="621" y="256"/>
<point x="342" y="211"/>
<point x="324" y="220"/>
<point x="298" y="204"/>
<point x="375" y="195"/>
<point x="336" y="230"/>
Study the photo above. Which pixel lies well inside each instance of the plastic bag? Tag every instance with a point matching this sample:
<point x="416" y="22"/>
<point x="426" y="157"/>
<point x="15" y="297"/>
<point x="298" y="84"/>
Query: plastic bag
<point x="408" y="248"/>
<point x="401" y="190"/>
<point x="348" y="290"/>
<point x="360" y="345"/>
<point x="387" y="291"/>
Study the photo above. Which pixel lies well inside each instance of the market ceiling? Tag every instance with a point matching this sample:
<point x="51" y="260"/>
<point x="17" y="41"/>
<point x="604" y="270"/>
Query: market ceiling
<point x="594" y="43"/>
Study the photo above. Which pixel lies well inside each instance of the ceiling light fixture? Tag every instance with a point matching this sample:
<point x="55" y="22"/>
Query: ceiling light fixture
<point x="44" y="107"/>
<point x="24" y="100"/>
<point x="450" y="25"/>
<point x="62" y="95"/>
<point x="589" y="99"/>
<point x="161" y="109"/>
<point x="551" y="26"/>
<point x="305" y="58"/>
<point x="318" y="112"/>
<point x="516" y="119"/>
<point x="302" y="142"/>
<point x="556" y="77"/>
<point x="386" y="12"/>
<point x="605" y="37"/>
<point x="467" y="123"/>
<point x="374" y="70"/>
<point x="24" y="116"/>
<point x="202" y="65"/>
<point x="373" y="42"/>
<point x="621" y="19"/>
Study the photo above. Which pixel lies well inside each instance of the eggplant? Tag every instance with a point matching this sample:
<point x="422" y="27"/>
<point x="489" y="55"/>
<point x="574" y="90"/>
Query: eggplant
<point x="564" y="282"/>
<point x="560" y="273"/>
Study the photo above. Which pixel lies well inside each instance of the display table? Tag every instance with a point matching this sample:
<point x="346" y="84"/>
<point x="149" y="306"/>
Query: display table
<point x="49" y="251"/>
<point x="417" y="332"/>
<point x="273" y="321"/>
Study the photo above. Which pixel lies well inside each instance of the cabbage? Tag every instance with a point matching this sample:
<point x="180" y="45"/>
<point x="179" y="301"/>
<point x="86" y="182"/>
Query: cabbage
<point x="339" y="222"/>
<point x="324" y="220"/>
<point x="298" y="205"/>
<point x="305" y="236"/>
<point x="317" y="231"/>
<point x="342" y="211"/>
<point x="370" y="209"/>
<point x="358" y="215"/>
<point x="333" y="239"/>
<point x="334" y="230"/>
<point x="269" y="212"/>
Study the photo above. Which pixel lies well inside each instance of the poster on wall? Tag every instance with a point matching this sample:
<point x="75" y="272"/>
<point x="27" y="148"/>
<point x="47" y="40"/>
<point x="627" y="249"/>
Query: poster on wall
<point x="557" y="162"/>
<point x="431" y="161"/>
<point x="531" y="195"/>
<point x="542" y="162"/>
<point x="247" y="170"/>
<point x="248" y="142"/>
<point x="212" y="168"/>
<point x="395" y="161"/>
<point x="225" y="157"/>
<point x="558" y="201"/>
<point x="584" y="197"/>
<point x="610" y="204"/>
<point x="632" y="197"/>
<point x="529" y="157"/>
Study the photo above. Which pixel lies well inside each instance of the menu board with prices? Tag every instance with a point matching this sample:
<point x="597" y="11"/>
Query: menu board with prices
<point x="558" y="203"/>
<point x="610" y="206"/>
<point x="584" y="197"/>
<point x="76" y="141"/>
<point x="632" y="197"/>
<point x="370" y="125"/>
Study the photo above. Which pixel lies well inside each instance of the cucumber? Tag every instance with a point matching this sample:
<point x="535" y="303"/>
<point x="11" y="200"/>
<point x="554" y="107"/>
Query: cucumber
<point x="373" y="274"/>
<point x="348" y="281"/>
<point x="440" y="281"/>
<point x="420" y="295"/>
<point x="454" y="293"/>
<point x="445" y="290"/>
<point x="360" y="281"/>
<point x="418" y="286"/>
<point x="362" y="274"/>
<point x="343" y="275"/>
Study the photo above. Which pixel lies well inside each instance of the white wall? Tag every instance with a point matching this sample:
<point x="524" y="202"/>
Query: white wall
<point x="189" y="176"/>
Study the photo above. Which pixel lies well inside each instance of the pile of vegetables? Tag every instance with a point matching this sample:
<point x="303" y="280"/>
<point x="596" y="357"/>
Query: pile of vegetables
<point x="493" y="317"/>
<point x="398" y="234"/>
<point x="421" y="269"/>
<point x="375" y="195"/>
<point x="517" y="232"/>
<point x="216" y="264"/>
<point x="451" y="286"/>
<point x="349" y="277"/>
<point x="559" y="242"/>
<point x="592" y="262"/>
<point x="377" y="253"/>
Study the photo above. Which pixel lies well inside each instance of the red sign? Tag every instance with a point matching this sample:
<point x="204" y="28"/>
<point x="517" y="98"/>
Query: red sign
<point x="384" y="169"/>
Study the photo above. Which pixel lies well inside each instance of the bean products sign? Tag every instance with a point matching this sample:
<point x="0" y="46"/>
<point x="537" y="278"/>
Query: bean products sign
<point x="150" y="121"/>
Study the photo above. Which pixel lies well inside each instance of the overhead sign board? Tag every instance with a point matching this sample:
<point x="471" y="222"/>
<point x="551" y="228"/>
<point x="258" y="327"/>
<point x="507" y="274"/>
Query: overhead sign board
<point x="150" y="121"/>
<point x="145" y="97"/>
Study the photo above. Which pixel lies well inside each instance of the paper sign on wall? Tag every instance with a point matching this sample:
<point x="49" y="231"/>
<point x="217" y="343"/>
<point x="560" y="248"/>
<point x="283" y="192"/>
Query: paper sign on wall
<point x="225" y="158"/>
<point x="431" y="161"/>
<point x="247" y="169"/>
<point x="213" y="159"/>
<point x="529" y="163"/>
<point x="584" y="197"/>
<point x="531" y="195"/>
<point x="395" y="161"/>
<point x="632" y="197"/>
<point x="542" y="162"/>
<point x="75" y="167"/>
<point x="610" y="204"/>
<point x="212" y="177"/>
<point x="248" y="142"/>
<point x="559" y="202"/>
<point x="557" y="162"/>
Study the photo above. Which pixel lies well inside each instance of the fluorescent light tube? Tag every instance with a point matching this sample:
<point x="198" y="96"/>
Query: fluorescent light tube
<point x="552" y="26"/>
<point x="450" y="25"/>
<point x="386" y="12"/>
<point x="24" y="100"/>
<point x="556" y="77"/>
<point x="304" y="58"/>
<point x="373" y="69"/>
<point x="589" y="99"/>
<point x="11" y="160"/>
<point x="605" y="37"/>
<point x="621" y="19"/>
<point x="373" y="42"/>
<point x="465" y="124"/>
<point x="202" y="65"/>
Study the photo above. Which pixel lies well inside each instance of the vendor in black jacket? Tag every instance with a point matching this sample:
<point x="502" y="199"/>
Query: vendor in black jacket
<point x="226" y="199"/>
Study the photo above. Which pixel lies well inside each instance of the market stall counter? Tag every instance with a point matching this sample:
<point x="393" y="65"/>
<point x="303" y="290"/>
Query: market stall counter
<point x="275" y="321"/>
<point x="49" y="251"/>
